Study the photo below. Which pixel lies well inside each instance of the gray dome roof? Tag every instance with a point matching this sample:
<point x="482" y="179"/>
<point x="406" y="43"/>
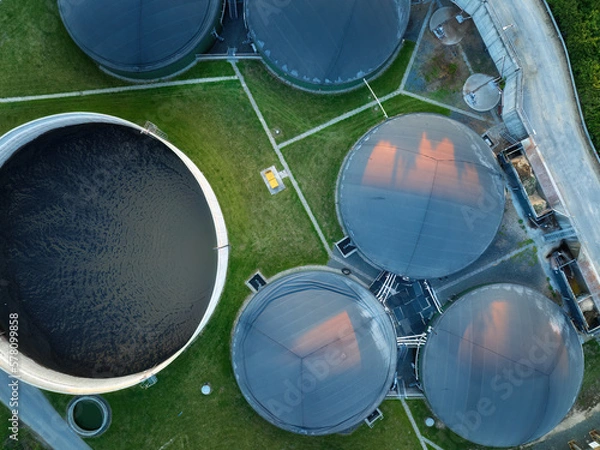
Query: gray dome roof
<point x="502" y="366"/>
<point x="139" y="35"/>
<point x="421" y="195"/>
<point x="325" y="43"/>
<point x="314" y="352"/>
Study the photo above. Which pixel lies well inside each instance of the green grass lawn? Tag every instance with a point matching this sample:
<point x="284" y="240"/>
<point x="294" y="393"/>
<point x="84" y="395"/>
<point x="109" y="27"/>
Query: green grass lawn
<point x="216" y="127"/>
<point x="206" y="69"/>
<point x="37" y="55"/>
<point x="202" y="422"/>
<point x="292" y="111"/>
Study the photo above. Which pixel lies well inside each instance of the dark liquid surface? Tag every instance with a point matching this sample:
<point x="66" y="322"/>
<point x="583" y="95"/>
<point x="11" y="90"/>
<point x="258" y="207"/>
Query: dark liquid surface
<point x="107" y="250"/>
<point x="87" y="415"/>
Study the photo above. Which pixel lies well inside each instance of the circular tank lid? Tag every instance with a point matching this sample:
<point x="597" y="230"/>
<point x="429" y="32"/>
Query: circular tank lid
<point x="446" y="27"/>
<point x="481" y="92"/>
<point x="502" y="366"/>
<point x="326" y="43"/>
<point x="421" y="196"/>
<point x="314" y="352"/>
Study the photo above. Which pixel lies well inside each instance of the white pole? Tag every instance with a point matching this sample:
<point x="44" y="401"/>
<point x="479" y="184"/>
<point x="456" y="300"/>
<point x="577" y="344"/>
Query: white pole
<point x="377" y="99"/>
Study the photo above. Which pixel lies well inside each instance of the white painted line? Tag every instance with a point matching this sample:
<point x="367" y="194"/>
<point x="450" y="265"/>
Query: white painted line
<point x="167" y="444"/>
<point x="414" y="424"/>
<point x="443" y="105"/>
<point x="432" y="444"/>
<point x="281" y="158"/>
<point x="338" y="119"/>
<point x="115" y="90"/>
<point x="466" y="59"/>
<point x="419" y="39"/>
<point x="373" y="104"/>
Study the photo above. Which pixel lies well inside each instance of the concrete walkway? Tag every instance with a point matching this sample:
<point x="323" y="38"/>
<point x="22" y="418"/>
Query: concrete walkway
<point x="414" y="425"/>
<point x="550" y="104"/>
<point x="488" y="266"/>
<point x="39" y="415"/>
<point x="282" y="160"/>
<point x="116" y="90"/>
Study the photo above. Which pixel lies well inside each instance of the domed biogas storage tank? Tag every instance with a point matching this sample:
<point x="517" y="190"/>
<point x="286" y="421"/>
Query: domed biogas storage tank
<point x="502" y="366"/>
<point x="421" y="195"/>
<point x="142" y="39"/>
<point x="314" y="352"/>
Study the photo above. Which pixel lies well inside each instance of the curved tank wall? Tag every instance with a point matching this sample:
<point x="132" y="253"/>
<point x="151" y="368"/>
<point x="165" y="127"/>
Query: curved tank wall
<point x="142" y="39"/>
<point x="327" y="46"/>
<point x="118" y="252"/>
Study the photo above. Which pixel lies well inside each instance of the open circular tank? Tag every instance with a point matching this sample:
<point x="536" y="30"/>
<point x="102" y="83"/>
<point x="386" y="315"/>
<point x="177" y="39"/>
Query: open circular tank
<point x="314" y="352"/>
<point x="89" y="416"/>
<point x="502" y="366"/>
<point x="115" y="252"/>
<point x="444" y="25"/>
<point x="421" y="195"/>
<point x="481" y="92"/>
<point x="327" y="46"/>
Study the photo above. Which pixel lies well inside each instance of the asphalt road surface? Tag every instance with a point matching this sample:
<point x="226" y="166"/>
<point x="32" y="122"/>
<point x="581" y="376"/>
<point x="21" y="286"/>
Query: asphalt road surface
<point x="40" y="416"/>
<point x="551" y="107"/>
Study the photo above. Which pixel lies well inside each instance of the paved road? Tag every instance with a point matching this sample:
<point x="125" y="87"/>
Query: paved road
<point x="550" y="104"/>
<point x="40" y="416"/>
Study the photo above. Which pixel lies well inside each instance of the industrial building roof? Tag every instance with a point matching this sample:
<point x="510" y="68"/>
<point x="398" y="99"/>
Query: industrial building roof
<point x="139" y="35"/>
<point x="314" y="352"/>
<point x="319" y="44"/>
<point x="421" y="196"/>
<point x="502" y="366"/>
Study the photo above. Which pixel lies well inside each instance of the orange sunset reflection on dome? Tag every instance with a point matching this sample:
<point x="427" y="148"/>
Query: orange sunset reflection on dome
<point x="419" y="172"/>
<point x="338" y="335"/>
